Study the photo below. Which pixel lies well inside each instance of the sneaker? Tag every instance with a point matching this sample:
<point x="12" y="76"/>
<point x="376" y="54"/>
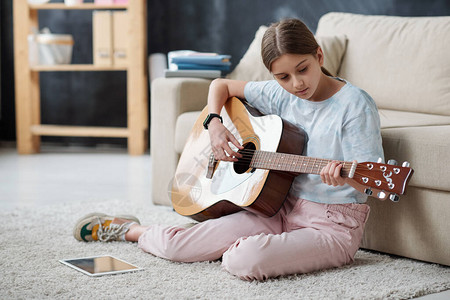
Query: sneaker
<point x="103" y="228"/>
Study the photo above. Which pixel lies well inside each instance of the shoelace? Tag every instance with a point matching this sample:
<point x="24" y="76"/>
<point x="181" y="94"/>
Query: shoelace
<point x="112" y="232"/>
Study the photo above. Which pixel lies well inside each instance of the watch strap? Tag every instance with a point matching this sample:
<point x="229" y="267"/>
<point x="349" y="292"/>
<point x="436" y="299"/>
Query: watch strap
<point x="209" y="119"/>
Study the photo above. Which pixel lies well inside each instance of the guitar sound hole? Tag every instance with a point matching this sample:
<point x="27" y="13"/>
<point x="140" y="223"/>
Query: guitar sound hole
<point x="243" y="165"/>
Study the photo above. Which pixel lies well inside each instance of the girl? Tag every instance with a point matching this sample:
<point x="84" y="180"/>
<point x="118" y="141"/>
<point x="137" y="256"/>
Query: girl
<point x="322" y="220"/>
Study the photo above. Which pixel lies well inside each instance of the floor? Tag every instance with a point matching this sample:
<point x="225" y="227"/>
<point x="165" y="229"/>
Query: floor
<point x="62" y="174"/>
<point x="71" y="174"/>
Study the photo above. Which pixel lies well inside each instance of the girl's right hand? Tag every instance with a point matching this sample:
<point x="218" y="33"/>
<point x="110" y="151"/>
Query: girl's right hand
<point x="220" y="138"/>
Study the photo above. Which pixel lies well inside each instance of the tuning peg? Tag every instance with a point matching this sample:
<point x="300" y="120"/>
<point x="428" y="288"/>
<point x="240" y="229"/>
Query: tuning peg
<point x="368" y="192"/>
<point x="392" y="162"/>
<point x="381" y="195"/>
<point x="406" y="164"/>
<point x="394" y="197"/>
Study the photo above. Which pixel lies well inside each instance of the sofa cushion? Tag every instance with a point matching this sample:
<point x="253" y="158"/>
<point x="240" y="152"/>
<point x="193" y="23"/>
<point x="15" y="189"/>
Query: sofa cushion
<point x="251" y="66"/>
<point x="426" y="148"/>
<point x="401" y="58"/>
<point x="395" y="119"/>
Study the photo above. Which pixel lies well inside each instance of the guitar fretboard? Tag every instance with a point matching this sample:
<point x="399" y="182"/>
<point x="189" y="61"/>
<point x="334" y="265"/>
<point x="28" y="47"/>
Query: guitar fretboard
<point x="293" y="163"/>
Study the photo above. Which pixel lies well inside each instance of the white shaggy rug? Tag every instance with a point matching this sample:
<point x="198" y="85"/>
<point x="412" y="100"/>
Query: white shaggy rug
<point x="33" y="240"/>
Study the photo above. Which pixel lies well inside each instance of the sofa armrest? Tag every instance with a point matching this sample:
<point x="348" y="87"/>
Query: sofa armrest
<point x="183" y="94"/>
<point x="170" y="97"/>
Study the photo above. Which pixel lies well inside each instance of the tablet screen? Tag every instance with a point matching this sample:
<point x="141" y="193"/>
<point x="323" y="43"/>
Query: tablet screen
<point x="100" y="265"/>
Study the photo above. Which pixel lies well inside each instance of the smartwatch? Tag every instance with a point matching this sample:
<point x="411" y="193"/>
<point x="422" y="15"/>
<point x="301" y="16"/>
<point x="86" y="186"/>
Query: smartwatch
<point x="209" y="118"/>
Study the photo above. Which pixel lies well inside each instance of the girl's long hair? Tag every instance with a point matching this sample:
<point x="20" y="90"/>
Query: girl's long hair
<point x="289" y="36"/>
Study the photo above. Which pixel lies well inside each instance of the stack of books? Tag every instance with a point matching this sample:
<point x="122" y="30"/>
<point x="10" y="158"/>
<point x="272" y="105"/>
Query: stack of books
<point x="197" y="64"/>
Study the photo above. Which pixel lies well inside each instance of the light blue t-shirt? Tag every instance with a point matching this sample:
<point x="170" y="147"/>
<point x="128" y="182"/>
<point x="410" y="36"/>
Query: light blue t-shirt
<point x="345" y="127"/>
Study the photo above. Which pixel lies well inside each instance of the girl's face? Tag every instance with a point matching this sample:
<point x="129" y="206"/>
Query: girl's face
<point x="299" y="74"/>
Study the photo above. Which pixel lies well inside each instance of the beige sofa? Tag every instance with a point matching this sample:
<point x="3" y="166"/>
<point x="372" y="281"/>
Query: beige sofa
<point x="404" y="64"/>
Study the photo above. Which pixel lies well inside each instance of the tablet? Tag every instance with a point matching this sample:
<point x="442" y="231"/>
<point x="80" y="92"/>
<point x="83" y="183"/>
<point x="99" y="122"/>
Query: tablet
<point x="100" y="265"/>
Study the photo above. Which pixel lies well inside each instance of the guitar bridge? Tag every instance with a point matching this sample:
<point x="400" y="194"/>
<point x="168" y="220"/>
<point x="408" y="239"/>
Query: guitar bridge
<point x="211" y="166"/>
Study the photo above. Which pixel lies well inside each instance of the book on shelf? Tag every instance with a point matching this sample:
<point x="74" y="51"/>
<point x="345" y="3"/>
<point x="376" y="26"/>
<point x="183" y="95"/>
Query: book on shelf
<point x="102" y="38"/>
<point x="211" y="74"/>
<point x="189" y="59"/>
<point x="120" y="38"/>
<point x="185" y="66"/>
<point x="202" y="59"/>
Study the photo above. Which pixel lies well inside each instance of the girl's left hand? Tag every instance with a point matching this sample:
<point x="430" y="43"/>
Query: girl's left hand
<point x="331" y="174"/>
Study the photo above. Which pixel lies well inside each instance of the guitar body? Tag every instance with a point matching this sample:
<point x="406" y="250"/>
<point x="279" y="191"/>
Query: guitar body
<point x="233" y="186"/>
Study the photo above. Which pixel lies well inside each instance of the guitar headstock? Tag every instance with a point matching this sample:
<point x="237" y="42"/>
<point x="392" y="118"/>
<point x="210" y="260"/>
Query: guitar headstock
<point x="389" y="179"/>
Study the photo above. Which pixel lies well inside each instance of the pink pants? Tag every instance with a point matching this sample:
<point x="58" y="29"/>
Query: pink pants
<point x="304" y="236"/>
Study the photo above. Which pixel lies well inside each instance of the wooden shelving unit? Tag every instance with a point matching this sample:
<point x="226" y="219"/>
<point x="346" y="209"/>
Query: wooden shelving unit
<point x="74" y="67"/>
<point x="27" y="88"/>
<point x="87" y="6"/>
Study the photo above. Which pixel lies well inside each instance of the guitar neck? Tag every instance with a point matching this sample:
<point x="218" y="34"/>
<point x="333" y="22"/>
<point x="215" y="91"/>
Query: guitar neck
<point x="293" y="163"/>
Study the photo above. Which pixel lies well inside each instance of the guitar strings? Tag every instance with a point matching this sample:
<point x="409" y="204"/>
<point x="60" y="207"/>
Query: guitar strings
<point x="249" y="154"/>
<point x="317" y="166"/>
<point x="316" y="163"/>
<point x="357" y="176"/>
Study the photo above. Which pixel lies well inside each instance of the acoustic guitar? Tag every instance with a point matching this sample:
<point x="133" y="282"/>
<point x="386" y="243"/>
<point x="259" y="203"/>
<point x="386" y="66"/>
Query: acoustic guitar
<point x="204" y="188"/>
